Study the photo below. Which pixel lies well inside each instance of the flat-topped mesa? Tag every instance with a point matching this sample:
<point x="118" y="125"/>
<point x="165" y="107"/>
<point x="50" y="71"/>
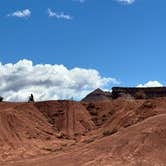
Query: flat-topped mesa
<point x="138" y="93"/>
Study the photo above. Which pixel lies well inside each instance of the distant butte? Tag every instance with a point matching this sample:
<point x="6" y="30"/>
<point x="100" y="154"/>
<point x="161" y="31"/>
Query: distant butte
<point x="98" y="95"/>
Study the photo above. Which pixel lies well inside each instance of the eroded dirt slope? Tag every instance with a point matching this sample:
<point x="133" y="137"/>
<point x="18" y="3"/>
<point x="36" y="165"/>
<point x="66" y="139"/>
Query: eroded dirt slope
<point x="30" y="129"/>
<point x="118" y="132"/>
<point x="71" y="118"/>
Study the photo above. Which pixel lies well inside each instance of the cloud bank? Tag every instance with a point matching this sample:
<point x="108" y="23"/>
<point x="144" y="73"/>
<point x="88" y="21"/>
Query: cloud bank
<point x="20" y="13"/>
<point x="48" y="81"/>
<point x="151" y="84"/>
<point x="59" y="15"/>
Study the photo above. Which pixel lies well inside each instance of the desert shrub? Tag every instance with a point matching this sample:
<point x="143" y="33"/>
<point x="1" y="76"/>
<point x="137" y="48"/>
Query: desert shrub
<point x="31" y="98"/>
<point x="63" y="144"/>
<point x="148" y="104"/>
<point x="109" y="132"/>
<point x="1" y="98"/>
<point x="76" y="134"/>
<point x="93" y="112"/>
<point x="104" y="118"/>
<point x="51" y="149"/>
<point x="60" y="135"/>
<point x="128" y="123"/>
<point x="112" y="112"/>
<point x="92" y="109"/>
<point x="48" y="138"/>
<point x="90" y="106"/>
<point x="55" y="114"/>
<point x="140" y="95"/>
<point x="89" y="140"/>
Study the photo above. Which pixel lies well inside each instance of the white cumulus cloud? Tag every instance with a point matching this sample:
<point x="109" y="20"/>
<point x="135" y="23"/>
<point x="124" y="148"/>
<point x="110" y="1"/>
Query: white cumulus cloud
<point x="151" y="84"/>
<point x="20" y="13"/>
<point x="126" y="1"/>
<point x="81" y="1"/>
<point x="59" y="15"/>
<point x="48" y="81"/>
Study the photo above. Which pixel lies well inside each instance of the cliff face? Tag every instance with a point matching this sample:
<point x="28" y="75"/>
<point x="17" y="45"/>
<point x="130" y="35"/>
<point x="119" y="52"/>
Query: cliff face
<point x="139" y="93"/>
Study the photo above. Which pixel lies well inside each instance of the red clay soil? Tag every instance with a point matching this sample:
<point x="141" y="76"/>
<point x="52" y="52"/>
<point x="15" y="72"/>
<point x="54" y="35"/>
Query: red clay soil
<point x="122" y="132"/>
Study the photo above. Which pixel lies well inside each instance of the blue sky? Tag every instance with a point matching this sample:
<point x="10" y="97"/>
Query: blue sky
<point x="121" y="40"/>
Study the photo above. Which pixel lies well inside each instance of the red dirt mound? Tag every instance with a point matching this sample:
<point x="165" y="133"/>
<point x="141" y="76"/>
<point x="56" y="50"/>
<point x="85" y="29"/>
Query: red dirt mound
<point x="27" y="128"/>
<point x="21" y="125"/>
<point x="22" y="121"/>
